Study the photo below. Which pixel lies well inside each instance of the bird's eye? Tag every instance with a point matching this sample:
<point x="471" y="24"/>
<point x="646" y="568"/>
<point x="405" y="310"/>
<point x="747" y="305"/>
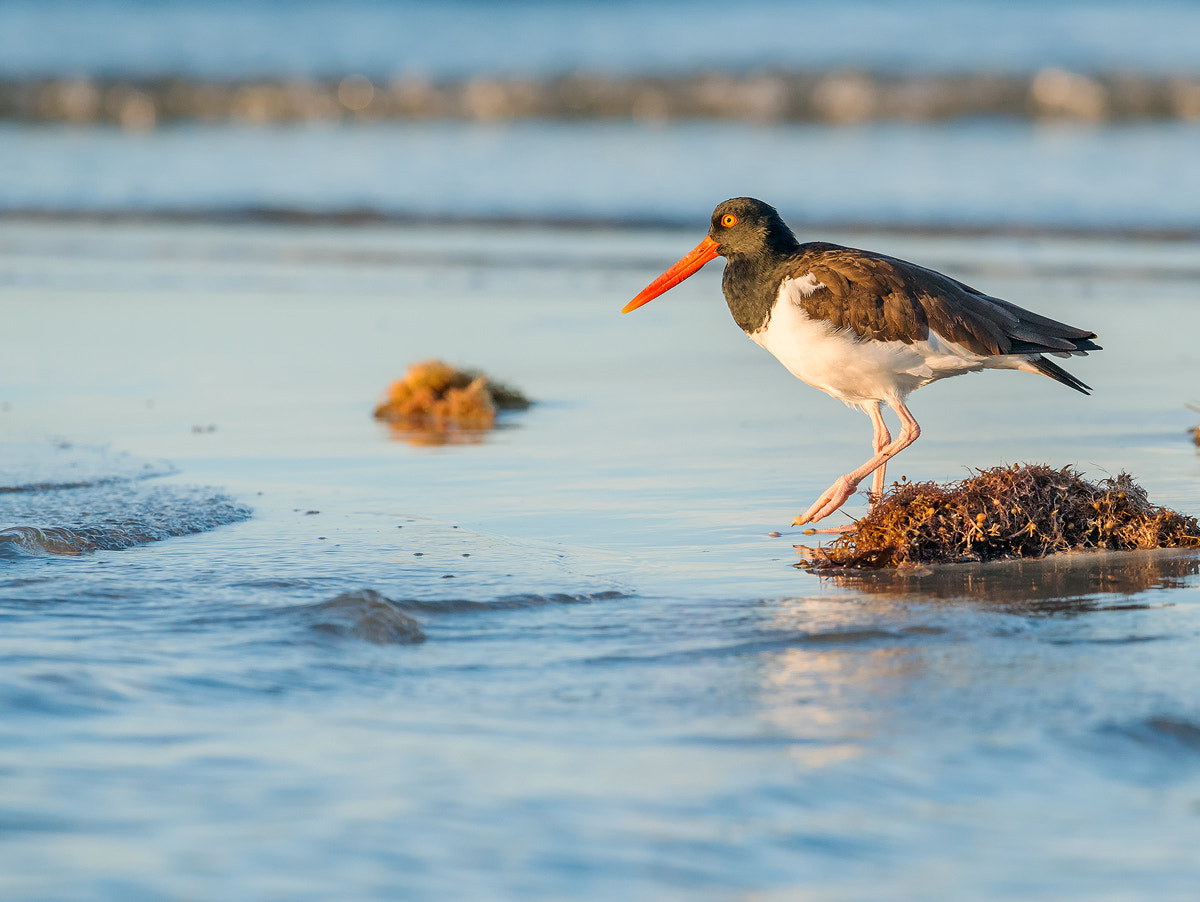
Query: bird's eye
<point x="729" y="220"/>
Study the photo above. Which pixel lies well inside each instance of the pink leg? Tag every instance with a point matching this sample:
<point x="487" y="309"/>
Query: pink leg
<point x="883" y="438"/>
<point x="845" y="486"/>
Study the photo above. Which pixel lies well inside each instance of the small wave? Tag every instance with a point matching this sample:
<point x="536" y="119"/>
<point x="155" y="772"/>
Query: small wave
<point x="32" y="540"/>
<point x="1181" y="733"/>
<point x="363" y="614"/>
<point x="1170" y="735"/>
<point x="775" y="641"/>
<point x="504" y="603"/>
<point x="110" y="517"/>
<point x="373" y="617"/>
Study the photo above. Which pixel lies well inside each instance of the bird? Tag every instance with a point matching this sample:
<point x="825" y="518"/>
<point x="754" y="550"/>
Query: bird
<point x="863" y="327"/>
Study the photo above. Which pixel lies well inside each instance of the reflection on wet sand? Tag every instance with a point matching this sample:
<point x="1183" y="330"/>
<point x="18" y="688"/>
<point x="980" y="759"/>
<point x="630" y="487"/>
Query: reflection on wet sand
<point x="832" y="657"/>
<point x="424" y="433"/>
<point x="799" y="689"/>
<point x="852" y="662"/>
<point x="828" y="700"/>
<point x="1058" y="584"/>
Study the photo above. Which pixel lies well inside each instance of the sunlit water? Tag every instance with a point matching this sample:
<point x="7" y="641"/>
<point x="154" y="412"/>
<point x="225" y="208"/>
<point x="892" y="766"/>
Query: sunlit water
<point x="625" y="688"/>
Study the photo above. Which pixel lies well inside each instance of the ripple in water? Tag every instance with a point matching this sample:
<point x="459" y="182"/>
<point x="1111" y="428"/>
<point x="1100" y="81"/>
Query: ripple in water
<point x="364" y="614"/>
<point x="68" y="500"/>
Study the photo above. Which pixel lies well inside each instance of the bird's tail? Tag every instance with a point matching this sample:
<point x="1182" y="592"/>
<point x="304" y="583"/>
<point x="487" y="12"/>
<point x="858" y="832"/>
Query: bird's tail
<point x="1041" y="365"/>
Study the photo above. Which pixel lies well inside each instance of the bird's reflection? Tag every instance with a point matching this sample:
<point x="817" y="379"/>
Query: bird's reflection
<point x="1058" y="584"/>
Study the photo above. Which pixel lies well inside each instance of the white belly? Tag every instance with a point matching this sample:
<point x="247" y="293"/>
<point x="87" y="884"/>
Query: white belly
<point x="857" y="370"/>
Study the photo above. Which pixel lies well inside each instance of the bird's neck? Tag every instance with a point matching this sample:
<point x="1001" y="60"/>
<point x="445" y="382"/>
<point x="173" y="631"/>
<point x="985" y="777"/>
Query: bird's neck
<point x="751" y="286"/>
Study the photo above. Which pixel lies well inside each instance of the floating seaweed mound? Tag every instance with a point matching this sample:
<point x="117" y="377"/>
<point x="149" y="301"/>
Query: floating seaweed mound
<point x="1022" y="511"/>
<point x="435" y="398"/>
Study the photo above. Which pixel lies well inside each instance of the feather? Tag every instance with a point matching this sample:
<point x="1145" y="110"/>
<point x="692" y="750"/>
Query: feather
<point x="885" y="299"/>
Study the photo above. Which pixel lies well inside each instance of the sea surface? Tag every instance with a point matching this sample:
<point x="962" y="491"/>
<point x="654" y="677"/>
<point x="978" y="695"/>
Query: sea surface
<point x="256" y="645"/>
<point x="985" y="174"/>
<point x="215" y="568"/>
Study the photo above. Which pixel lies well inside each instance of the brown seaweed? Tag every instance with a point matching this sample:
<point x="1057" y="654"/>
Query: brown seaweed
<point x="436" y="403"/>
<point x="1020" y="511"/>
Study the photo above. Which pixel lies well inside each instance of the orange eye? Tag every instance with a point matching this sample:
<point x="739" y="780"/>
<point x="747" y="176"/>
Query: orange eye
<point x="729" y="220"/>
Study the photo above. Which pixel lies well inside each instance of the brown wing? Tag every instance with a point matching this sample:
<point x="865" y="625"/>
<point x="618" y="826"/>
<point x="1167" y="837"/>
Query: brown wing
<point x="887" y="299"/>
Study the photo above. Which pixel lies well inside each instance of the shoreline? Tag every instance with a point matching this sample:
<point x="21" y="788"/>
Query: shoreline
<point x="842" y="96"/>
<point x="366" y="217"/>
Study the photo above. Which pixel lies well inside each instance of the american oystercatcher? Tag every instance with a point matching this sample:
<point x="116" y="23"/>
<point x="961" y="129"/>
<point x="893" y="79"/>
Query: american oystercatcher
<point x="866" y="328"/>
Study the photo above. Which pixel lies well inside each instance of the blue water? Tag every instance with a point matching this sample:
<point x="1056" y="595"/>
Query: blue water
<point x="974" y="173"/>
<point x="988" y="172"/>
<point x="255" y="645"/>
<point x="625" y="686"/>
<point x="463" y="38"/>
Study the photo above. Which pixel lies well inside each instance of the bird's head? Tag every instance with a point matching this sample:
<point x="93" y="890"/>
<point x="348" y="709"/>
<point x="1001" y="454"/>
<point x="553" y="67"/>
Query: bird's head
<point x="744" y="226"/>
<point x="740" y="227"/>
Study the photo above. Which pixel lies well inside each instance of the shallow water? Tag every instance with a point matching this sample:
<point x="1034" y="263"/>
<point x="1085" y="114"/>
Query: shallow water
<point x="625" y="685"/>
<point x="978" y="173"/>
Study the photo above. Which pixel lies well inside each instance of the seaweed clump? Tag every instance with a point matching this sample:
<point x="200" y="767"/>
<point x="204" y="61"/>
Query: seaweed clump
<point x="1021" y="511"/>
<point x="437" y="403"/>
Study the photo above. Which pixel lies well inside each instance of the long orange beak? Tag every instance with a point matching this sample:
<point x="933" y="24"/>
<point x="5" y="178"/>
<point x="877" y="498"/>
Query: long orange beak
<point x="705" y="251"/>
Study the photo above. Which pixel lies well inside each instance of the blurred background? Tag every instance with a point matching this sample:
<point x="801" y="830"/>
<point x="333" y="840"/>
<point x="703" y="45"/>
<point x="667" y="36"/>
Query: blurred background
<point x="1076" y="115"/>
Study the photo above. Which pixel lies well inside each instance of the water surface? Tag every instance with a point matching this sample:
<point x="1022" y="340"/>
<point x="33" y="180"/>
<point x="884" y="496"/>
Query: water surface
<point x="987" y="173"/>
<point x="466" y="37"/>
<point x="625" y="686"/>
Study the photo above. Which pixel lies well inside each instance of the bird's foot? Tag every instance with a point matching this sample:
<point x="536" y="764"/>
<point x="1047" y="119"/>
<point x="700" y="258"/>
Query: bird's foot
<point x="829" y="530"/>
<point x="833" y="498"/>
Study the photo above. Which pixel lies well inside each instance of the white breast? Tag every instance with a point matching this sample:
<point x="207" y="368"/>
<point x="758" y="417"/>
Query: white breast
<point x="857" y="370"/>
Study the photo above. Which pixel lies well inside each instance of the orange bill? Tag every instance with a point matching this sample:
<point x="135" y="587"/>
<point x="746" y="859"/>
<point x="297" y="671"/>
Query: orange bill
<point x="705" y="251"/>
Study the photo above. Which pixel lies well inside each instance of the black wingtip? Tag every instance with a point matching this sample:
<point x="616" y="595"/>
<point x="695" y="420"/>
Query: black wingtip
<point x="1058" y="374"/>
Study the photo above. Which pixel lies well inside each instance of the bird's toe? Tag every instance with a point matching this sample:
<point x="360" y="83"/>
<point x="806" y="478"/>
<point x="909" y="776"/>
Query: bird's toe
<point x="832" y="499"/>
